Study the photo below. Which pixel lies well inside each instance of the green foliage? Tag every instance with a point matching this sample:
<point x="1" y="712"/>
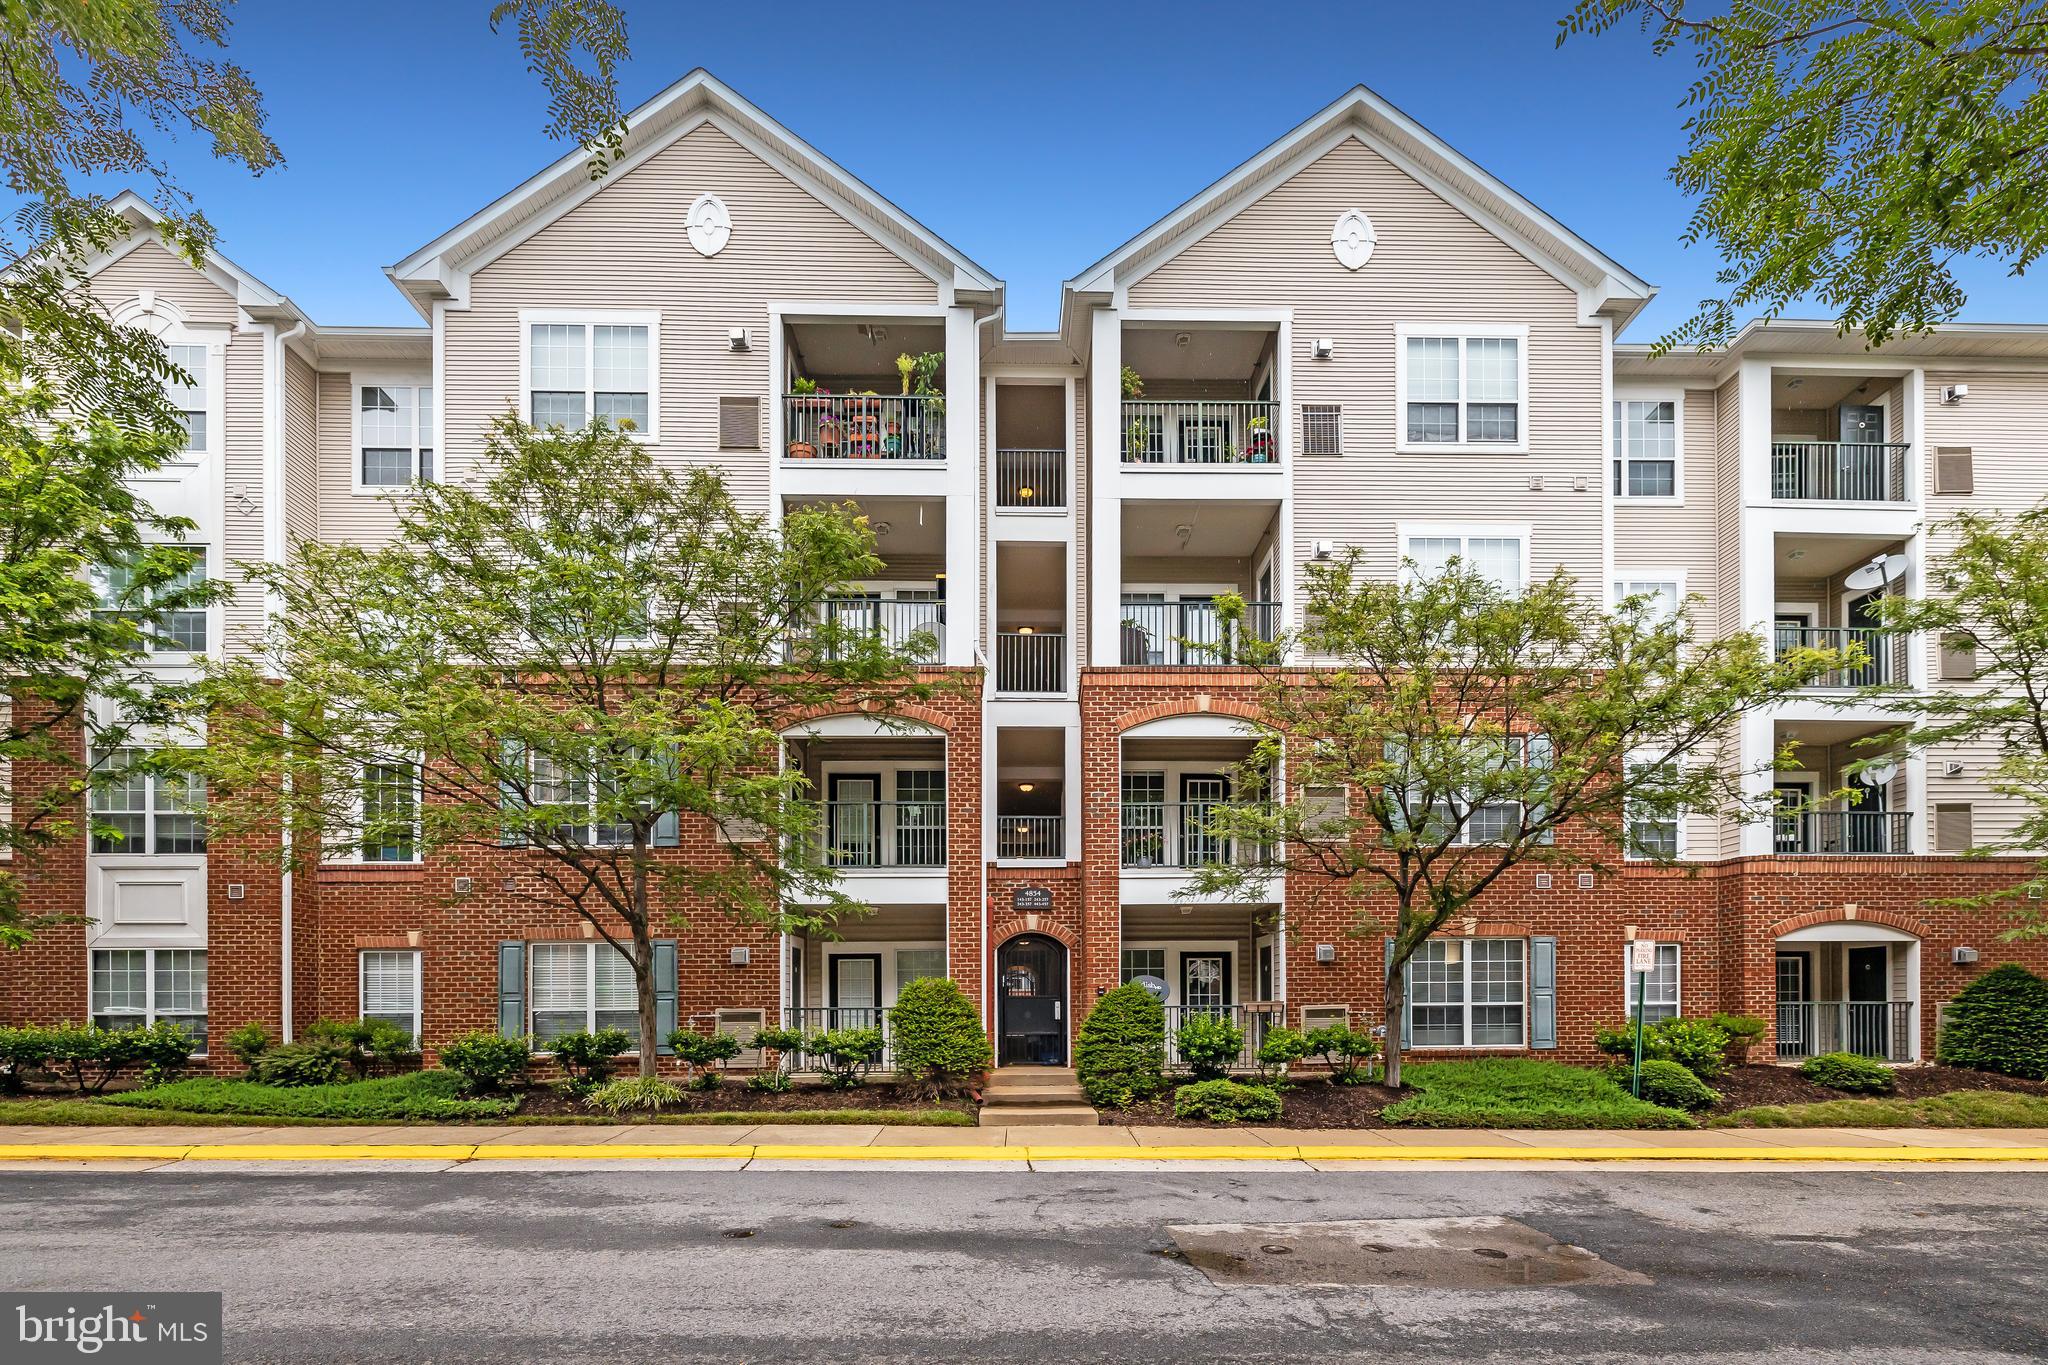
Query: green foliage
<point x="1848" y="1071"/>
<point x="488" y="1061"/>
<point x="1344" y="1050"/>
<point x="1744" y="1032"/>
<point x="787" y="1041"/>
<point x="1999" y="1022"/>
<point x="635" y="1094"/>
<point x="366" y="1042"/>
<point x="1851" y="151"/>
<point x="1209" y="1043"/>
<point x="1224" y="1101"/>
<point x="163" y="1049"/>
<point x="939" y="1040"/>
<point x="706" y="1053"/>
<point x="1671" y="1085"/>
<point x="1698" y="1045"/>
<point x="1120" y="1056"/>
<point x="90" y="1057"/>
<point x="1280" y="1048"/>
<point x="250" y="1042"/>
<point x="848" y="1053"/>
<point x="588" y="1057"/>
<point x="575" y="48"/>
<point x="22" y="1053"/>
<point x="1517" y="1092"/>
<point x="312" y="1061"/>
<point x="772" y="1082"/>
<point x="416" y="1096"/>
<point x="1957" y="1109"/>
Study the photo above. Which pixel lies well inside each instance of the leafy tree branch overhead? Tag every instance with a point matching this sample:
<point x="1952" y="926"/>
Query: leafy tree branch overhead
<point x="1850" y="153"/>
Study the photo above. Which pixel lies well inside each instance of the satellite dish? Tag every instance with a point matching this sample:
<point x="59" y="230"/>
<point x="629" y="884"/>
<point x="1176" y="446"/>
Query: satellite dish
<point x="1881" y="570"/>
<point x="1154" y="985"/>
<point x="1878" y="775"/>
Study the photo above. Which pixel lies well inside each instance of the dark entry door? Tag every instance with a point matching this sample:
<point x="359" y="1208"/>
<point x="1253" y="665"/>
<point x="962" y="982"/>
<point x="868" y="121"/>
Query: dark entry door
<point x="1863" y="468"/>
<point x="1869" y="986"/>
<point x="1031" y="978"/>
<point x="854" y="820"/>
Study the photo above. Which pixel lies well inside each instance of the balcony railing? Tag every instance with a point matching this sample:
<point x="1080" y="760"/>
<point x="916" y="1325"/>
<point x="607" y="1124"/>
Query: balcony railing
<point x="1870" y="1028"/>
<point x="1177" y="834"/>
<point x="1839" y="471"/>
<point x="863" y="427"/>
<point x="1191" y="634"/>
<point x="1030" y="664"/>
<point x="1201" y="433"/>
<point x="916" y="628"/>
<point x="829" y="1018"/>
<point x="864" y="834"/>
<point x="1031" y="836"/>
<point x="1255" y="1023"/>
<point x="1883" y="652"/>
<point x="1031" y="480"/>
<point x="1845" y="832"/>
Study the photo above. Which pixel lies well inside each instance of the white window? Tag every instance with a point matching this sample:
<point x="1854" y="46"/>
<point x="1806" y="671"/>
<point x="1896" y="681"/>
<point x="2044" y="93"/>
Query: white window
<point x="182" y="631"/>
<point x="394" y="434"/>
<point x="1660" y="985"/>
<point x="190" y="399"/>
<point x="581" y="987"/>
<point x="136" y="987"/>
<point x="581" y="369"/>
<point x="389" y="803"/>
<point x="579" y="797"/>
<point x="1462" y="389"/>
<point x="1500" y="554"/>
<point x="915" y="964"/>
<point x="136" y="811"/>
<point x="1487" y="819"/>
<point x="1651" y="833"/>
<point x="1667" y="593"/>
<point x="390" y="988"/>
<point x="1645" y="448"/>
<point x="1468" y="993"/>
<point x="1139" y="962"/>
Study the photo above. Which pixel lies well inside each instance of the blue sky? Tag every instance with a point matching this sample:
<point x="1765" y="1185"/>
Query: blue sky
<point x="1033" y="138"/>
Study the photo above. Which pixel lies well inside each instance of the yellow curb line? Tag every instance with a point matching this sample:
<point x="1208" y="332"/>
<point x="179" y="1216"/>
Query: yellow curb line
<point x="1142" y="1153"/>
<point x="612" y="1151"/>
<point x="793" y="1152"/>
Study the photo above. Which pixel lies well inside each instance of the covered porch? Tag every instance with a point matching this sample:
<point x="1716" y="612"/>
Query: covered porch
<point x="1848" y="987"/>
<point x="1219" y="960"/>
<point x="852" y="977"/>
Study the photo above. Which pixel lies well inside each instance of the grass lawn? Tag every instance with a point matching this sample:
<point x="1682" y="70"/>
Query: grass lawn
<point x="424" y="1096"/>
<point x="1516" y="1092"/>
<point x="1957" y="1109"/>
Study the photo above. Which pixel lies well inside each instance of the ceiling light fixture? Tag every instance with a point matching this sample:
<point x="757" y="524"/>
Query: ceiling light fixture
<point x="1027" y="786"/>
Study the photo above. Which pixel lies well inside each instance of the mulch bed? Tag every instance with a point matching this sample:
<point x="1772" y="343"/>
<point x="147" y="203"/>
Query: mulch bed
<point x="1308" y="1103"/>
<point x="542" y="1101"/>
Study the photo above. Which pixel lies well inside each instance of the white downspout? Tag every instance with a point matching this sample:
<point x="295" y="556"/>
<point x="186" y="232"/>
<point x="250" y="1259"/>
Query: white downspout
<point x="273" y="552"/>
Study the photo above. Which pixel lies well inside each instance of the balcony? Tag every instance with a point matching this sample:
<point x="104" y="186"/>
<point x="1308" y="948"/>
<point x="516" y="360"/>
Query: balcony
<point x="1840" y="832"/>
<point x="1030" y="794"/>
<point x="1883" y="652"/>
<point x="863" y="427"/>
<point x="1031" y="663"/>
<point x="1190" y="633"/>
<point x="1176" y="834"/>
<point x="1207" y="432"/>
<point x="1881" y="1029"/>
<point x="917" y="627"/>
<point x="1031" y="838"/>
<point x="1839" y="471"/>
<point x="1835" y="436"/>
<point x="1031" y="480"/>
<point x="882" y="834"/>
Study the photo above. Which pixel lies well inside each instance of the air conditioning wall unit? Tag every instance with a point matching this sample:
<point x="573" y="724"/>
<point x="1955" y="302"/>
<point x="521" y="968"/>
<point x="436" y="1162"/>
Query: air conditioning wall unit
<point x="1962" y="957"/>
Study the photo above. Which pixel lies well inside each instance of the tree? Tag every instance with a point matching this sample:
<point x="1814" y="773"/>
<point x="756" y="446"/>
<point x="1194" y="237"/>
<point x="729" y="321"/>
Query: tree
<point x="65" y="638"/>
<point x="570" y="656"/>
<point x="1849" y="151"/>
<point x="1450" y="730"/>
<point x="1987" y="603"/>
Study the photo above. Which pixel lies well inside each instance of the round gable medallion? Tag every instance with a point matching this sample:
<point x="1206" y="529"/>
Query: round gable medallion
<point x="1353" y="239"/>
<point x="709" y="225"/>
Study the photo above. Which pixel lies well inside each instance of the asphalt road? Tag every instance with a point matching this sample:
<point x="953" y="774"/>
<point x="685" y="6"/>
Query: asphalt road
<point x="851" y="1265"/>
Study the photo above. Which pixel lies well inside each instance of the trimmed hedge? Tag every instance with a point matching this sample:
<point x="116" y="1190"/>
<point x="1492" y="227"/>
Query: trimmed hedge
<point x="1520" y="1092"/>
<point x="91" y="1057"/>
<point x="1226" y="1102"/>
<point x="1209" y="1043"/>
<point x="1671" y="1085"/>
<point x="430" y="1095"/>
<point x="488" y="1061"/>
<point x="1698" y="1045"/>
<point x="1120" y="1056"/>
<point x="939" y="1039"/>
<point x="1999" y="1022"/>
<point x="1847" y="1071"/>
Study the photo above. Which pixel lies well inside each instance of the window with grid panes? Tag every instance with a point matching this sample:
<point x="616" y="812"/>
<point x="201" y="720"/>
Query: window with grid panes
<point x="1463" y="390"/>
<point x="1645" y="449"/>
<point x="397" y="429"/>
<point x="190" y="399"/>
<point x="141" y="812"/>
<point x="916" y="964"/>
<point x="390" y="813"/>
<point x="578" y="372"/>
<point x="136" y="987"/>
<point x="1496" y="558"/>
<point x="1659" y="986"/>
<point x="1139" y="962"/>
<point x="1468" y="993"/>
<point x="182" y="631"/>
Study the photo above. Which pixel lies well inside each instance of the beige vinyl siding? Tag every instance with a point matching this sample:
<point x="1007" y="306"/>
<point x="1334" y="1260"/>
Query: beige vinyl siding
<point x="242" y="517"/>
<point x="1659" y="536"/>
<point x="151" y="265"/>
<point x="625" y="248"/>
<point x="301" y="451"/>
<point x="2004" y="422"/>
<point x="1432" y="265"/>
<point x="1727" y="505"/>
<point x="346" y="516"/>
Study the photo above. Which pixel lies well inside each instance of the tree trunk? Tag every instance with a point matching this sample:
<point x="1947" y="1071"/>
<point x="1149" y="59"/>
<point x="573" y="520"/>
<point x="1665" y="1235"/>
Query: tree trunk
<point x="1392" y="1053"/>
<point x="643" y="960"/>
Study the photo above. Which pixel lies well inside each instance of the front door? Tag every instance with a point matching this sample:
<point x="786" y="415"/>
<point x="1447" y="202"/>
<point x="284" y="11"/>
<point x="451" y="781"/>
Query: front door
<point x="1794" y="830"/>
<point x="1869" y="986"/>
<point x="1794" y="1017"/>
<point x="1863" y="469"/>
<point x="1031" y="984"/>
<point x="1864" y="621"/>
<point x="856" y="990"/>
<point x="1199" y="794"/>
<point x="1205" y="982"/>
<point x="853" y="828"/>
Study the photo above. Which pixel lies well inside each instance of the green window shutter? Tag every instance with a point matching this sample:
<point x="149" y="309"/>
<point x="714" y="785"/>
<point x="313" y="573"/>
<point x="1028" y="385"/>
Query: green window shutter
<point x="664" y="991"/>
<point x="665" y="830"/>
<point x="1404" y="991"/>
<point x="512" y="989"/>
<point x="1543" y="992"/>
<point x="511" y="801"/>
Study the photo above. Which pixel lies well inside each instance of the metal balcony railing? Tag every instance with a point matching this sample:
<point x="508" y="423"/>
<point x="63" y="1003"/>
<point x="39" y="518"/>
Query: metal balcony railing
<point x="1845" y="832"/>
<point x="1255" y="1024"/>
<point x="917" y="628"/>
<point x="863" y="427"/>
<point x="1201" y="433"/>
<point x="1176" y="834"/>
<point x="1031" y="664"/>
<point x="863" y="834"/>
<point x="1839" y="471"/>
<point x="1191" y="634"/>
<point x="1029" y="480"/>
<point x="816" y="1019"/>
<point x="1884" y="652"/>
<point x="1031" y="836"/>
<point x="1870" y="1028"/>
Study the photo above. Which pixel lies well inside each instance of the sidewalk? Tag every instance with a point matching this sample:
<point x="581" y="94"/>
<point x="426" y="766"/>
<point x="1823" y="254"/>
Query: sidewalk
<point x="872" y="1147"/>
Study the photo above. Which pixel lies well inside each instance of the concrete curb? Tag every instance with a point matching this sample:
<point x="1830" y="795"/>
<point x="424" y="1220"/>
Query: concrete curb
<point x="1051" y="1156"/>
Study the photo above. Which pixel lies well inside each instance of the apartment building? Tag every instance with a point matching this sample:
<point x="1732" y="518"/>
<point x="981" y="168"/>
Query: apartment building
<point x="1357" y="338"/>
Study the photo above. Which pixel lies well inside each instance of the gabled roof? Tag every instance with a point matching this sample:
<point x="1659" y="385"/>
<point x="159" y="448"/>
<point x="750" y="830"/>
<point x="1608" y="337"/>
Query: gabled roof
<point x="244" y="288"/>
<point x="441" y="267"/>
<point x="1605" y="287"/>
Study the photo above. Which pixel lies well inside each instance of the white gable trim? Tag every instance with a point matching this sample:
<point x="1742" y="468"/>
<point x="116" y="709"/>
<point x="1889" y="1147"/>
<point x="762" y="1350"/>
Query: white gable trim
<point x="238" y="284"/>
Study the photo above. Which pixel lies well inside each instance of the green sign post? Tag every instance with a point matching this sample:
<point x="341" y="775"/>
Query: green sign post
<point x="1643" y="959"/>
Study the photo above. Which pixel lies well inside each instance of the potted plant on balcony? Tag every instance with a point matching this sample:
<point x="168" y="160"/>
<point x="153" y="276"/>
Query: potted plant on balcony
<point x="904" y="365"/>
<point x="1133" y="382"/>
<point x="1258" y="441"/>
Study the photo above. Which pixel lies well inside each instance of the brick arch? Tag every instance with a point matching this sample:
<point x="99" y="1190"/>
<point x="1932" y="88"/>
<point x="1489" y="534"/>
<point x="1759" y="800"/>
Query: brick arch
<point x="1202" y="706"/>
<point x="923" y="715"/>
<point x="1903" y="923"/>
<point x="1002" y="931"/>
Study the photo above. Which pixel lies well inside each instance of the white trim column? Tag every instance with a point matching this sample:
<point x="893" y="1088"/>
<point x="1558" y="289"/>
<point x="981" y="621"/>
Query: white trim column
<point x="1105" y="488"/>
<point x="963" y="471"/>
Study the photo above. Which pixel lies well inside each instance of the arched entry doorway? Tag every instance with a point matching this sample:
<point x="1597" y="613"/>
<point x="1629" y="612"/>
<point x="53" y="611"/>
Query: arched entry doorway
<point x="1031" y="1002"/>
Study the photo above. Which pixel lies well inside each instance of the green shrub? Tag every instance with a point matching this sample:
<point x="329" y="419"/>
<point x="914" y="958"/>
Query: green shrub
<point x="365" y="1042"/>
<point x="1278" y="1049"/>
<point x="635" y="1093"/>
<point x="315" y="1061"/>
<point x="1671" y="1085"/>
<point x="393" y="1046"/>
<point x="1847" y="1071"/>
<point x="1695" y="1044"/>
<point x="706" y="1054"/>
<point x="249" y="1042"/>
<point x="587" y="1057"/>
<point x="90" y="1057"/>
<point x="1120" y="1056"/>
<point x="848" y="1053"/>
<point x="1344" y="1050"/>
<point x="22" y="1051"/>
<point x="775" y="1082"/>
<point x="1999" y="1022"/>
<point x="1744" y="1032"/>
<point x="940" y="1044"/>
<point x="488" y="1061"/>
<point x="431" y="1096"/>
<point x="163" y="1049"/>
<point x="1521" y="1092"/>
<point x="1209" y="1043"/>
<point x="1226" y="1102"/>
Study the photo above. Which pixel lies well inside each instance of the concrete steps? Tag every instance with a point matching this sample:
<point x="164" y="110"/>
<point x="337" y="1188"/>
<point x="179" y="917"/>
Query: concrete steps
<point x="1035" y="1097"/>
